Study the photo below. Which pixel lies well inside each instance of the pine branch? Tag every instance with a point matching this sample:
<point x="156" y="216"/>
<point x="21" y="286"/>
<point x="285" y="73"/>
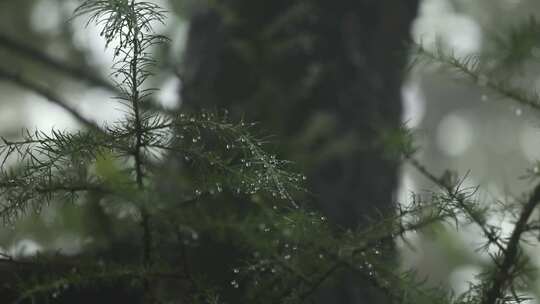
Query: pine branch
<point x="93" y="275"/>
<point x="470" y="68"/>
<point x="116" y="160"/>
<point x="503" y="277"/>
<point x="131" y="23"/>
<point x="453" y="193"/>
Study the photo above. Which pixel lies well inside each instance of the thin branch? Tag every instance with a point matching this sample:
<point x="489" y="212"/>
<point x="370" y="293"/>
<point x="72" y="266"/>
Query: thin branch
<point x="458" y="198"/>
<point x="20" y="49"/>
<point x="469" y="68"/>
<point x="43" y="91"/>
<point x="503" y="277"/>
<point x="79" y="73"/>
<point x="320" y="281"/>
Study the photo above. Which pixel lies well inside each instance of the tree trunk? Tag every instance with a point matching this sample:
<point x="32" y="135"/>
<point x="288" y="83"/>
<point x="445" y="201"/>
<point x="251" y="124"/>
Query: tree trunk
<point x="325" y="76"/>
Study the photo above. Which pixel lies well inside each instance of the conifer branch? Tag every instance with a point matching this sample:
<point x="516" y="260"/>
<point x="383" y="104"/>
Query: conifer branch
<point x="470" y="68"/>
<point x="453" y="192"/>
<point x="503" y="277"/>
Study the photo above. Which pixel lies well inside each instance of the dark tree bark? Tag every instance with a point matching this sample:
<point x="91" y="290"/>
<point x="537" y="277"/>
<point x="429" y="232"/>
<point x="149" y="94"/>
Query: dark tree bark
<point x="323" y="75"/>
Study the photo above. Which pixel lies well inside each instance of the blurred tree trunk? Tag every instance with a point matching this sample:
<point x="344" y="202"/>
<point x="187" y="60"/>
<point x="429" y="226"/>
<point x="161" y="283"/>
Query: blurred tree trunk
<point x="322" y="75"/>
